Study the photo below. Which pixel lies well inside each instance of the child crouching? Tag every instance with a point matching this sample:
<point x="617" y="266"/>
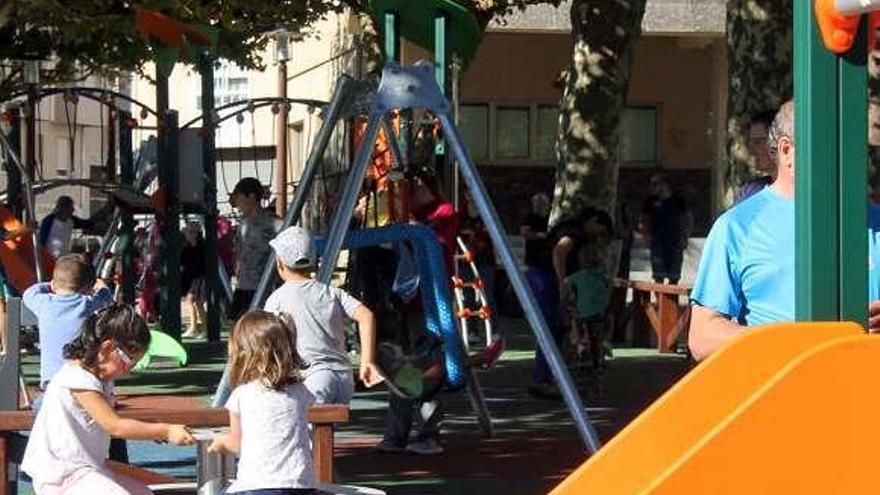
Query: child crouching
<point x="69" y="443"/>
<point x="268" y="409"/>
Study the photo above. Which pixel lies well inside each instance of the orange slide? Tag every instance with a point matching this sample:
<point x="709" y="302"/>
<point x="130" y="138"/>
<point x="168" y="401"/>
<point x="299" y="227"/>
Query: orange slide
<point x="786" y="408"/>
<point x="17" y="256"/>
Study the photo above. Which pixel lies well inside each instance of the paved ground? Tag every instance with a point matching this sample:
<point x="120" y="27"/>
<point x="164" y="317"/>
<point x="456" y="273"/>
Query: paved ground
<point x="535" y="444"/>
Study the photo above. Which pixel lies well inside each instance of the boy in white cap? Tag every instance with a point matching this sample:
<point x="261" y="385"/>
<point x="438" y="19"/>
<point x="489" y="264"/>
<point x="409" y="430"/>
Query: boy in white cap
<point x="320" y="313"/>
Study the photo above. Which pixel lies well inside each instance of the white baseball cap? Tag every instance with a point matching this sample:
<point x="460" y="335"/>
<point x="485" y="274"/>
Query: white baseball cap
<point x="295" y="247"/>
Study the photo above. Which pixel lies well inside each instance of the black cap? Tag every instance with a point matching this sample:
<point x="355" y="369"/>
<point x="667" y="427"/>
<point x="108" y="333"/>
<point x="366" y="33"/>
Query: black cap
<point x="248" y="186"/>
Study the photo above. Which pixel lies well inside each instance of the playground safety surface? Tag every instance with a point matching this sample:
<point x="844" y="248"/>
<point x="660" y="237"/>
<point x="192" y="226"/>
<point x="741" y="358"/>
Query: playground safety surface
<point x="535" y="445"/>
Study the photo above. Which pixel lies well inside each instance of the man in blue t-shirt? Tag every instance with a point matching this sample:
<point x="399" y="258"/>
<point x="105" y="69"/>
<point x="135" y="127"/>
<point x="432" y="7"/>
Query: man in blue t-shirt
<point x="747" y="273"/>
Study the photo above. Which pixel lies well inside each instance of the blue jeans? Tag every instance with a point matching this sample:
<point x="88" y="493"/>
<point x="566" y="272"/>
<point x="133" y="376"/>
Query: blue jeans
<point x="546" y="291"/>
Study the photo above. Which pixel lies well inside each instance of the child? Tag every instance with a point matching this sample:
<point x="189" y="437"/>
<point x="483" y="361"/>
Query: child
<point x="251" y="242"/>
<point x="268" y="409"/>
<point x="61" y="307"/>
<point x="320" y="313"/>
<point x="590" y="290"/>
<point x="192" y="269"/>
<point x="68" y="446"/>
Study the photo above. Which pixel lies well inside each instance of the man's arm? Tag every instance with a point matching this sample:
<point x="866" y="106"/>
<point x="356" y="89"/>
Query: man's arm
<point x="709" y="330"/>
<point x="874" y="317"/>
<point x="45" y="230"/>
<point x="560" y="255"/>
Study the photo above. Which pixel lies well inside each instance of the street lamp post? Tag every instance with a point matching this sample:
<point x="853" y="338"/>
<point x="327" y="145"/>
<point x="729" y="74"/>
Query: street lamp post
<point x="31" y="77"/>
<point x="282" y="55"/>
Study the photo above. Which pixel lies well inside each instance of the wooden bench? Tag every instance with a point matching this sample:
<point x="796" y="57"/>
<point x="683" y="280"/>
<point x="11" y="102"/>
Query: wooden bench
<point x="323" y="418"/>
<point x="662" y="313"/>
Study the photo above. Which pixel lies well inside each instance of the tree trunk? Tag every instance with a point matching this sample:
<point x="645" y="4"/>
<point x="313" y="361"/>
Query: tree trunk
<point x="759" y="50"/>
<point x="604" y="35"/>
<point x="874" y="121"/>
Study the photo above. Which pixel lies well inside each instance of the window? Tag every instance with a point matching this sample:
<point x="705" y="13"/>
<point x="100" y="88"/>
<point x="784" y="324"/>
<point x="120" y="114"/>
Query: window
<point x="638" y="135"/>
<point x="473" y="124"/>
<point x="237" y="85"/>
<point x="512" y="132"/>
<point x="548" y="129"/>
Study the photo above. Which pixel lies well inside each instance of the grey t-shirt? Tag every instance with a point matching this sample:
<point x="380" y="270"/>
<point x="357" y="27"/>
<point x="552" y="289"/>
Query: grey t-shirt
<point x="252" y="247"/>
<point x="320" y="313"/>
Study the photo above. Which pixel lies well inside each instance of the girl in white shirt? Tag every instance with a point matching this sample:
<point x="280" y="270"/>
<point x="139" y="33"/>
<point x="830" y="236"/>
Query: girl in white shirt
<point x="268" y="409"/>
<point x="69" y="443"/>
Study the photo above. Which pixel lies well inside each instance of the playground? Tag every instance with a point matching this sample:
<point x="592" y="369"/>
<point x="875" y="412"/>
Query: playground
<point x="639" y="416"/>
<point x="531" y="452"/>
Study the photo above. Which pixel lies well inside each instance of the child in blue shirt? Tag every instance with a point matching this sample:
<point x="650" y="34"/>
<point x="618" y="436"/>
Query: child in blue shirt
<point x="61" y="307"/>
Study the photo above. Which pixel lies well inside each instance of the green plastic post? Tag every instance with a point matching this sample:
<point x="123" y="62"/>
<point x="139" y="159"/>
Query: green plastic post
<point x="392" y="36"/>
<point x="126" y="228"/>
<point x="816" y="219"/>
<point x="169" y="270"/>
<point x="853" y="167"/>
<point x="441" y="64"/>
<point x="209" y="159"/>
<point x="392" y="52"/>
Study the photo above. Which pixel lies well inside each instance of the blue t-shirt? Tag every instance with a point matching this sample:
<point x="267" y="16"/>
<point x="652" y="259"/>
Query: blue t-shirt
<point x="747" y="268"/>
<point x="59" y="318"/>
<point x="873" y="252"/>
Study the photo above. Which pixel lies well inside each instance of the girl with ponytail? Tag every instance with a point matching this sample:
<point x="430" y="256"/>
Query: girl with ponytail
<point x="69" y="443"/>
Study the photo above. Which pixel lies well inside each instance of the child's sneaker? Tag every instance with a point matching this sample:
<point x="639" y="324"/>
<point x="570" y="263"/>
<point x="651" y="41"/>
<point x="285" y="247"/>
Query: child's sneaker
<point x="493" y="351"/>
<point x="428" y="446"/>
<point x="388" y="447"/>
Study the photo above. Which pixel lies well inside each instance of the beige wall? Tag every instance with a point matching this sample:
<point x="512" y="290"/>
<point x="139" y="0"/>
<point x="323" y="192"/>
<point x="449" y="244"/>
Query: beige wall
<point x="676" y="74"/>
<point x="516" y="67"/>
<point x="523" y="67"/>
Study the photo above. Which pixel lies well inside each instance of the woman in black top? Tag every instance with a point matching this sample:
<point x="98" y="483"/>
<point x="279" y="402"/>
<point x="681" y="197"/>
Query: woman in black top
<point x="564" y="242"/>
<point x="193" y="269"/>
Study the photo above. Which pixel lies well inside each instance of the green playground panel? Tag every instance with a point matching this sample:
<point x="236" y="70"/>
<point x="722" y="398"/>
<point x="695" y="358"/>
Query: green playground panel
<point x="162" y="345"/>
<point x="416" y="23"/>
<point x="831" y="163"/>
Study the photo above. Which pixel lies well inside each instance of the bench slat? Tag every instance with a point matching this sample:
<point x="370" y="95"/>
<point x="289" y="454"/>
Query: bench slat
<point x="197" y="418"/>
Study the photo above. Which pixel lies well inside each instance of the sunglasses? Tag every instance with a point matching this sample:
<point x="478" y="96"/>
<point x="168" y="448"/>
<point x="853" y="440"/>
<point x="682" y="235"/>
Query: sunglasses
<point x="127" y="361"/>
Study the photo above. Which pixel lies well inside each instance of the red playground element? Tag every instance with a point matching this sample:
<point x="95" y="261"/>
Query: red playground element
<point x="166" y="30"/>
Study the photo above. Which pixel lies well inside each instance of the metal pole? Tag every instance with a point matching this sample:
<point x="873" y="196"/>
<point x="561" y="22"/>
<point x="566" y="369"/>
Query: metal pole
<point x="281" y="147"/>
<point x="31" y="135"/>
<point x="110" y="165"/>
<point x="342" y="218"/>
<point x="328" y="123"/>
<point x="209" y="163"/>
<point x="522" y="289"/>
<point x="13" y="174"/>
<point x="126" y="225"/>
<point x="393" y="143"/>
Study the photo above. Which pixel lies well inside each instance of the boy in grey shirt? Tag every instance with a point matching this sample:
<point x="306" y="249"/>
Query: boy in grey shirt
<point x="320" y="313"/>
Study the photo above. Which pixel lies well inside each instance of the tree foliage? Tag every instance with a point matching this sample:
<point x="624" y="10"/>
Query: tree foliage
<point x="77" y="38"/>
<point x="759" y="54"/>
